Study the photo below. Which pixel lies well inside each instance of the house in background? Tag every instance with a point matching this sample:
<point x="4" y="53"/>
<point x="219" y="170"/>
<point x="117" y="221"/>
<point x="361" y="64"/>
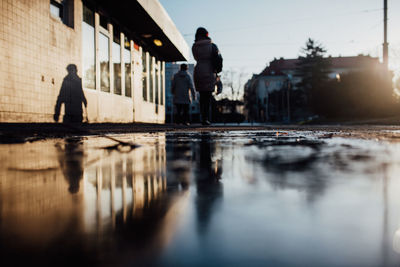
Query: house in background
<point x="270" y="94"/>
<point x="194" y="109"/>
<point x="119" y="49"/>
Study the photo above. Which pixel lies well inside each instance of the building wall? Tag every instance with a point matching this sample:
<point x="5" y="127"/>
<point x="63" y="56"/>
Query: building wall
<point x="265" y="86"/>
<point x="36" y="48"/>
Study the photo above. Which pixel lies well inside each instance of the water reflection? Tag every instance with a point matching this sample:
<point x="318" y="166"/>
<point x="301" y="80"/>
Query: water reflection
<point x="71" y="157"/>
<point x="179" y="158"/>
<point x="125" y="185"/>
<point x="79" y="200"/>
<point x="208" y="185"/>
<point x="200" y="199"/>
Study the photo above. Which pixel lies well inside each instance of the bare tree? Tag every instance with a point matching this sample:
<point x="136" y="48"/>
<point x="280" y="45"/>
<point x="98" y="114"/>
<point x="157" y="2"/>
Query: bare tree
<point x="233" y="82"/>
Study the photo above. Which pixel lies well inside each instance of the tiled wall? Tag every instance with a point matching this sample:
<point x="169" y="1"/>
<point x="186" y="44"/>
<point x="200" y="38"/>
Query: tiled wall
<point x="35" y="49"/>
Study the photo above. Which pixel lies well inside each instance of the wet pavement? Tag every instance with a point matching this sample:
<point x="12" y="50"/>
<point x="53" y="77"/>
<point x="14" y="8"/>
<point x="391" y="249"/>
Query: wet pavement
<point x="233" y="198"/>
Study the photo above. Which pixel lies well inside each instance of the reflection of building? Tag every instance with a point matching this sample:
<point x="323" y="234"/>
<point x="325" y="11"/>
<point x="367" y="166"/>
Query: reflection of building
<point x="194" y="110"/>
<point x="121" y="201"/>
<point x="123" y="184"/>
<point x="115" y="187"/>
<point x="268" y="95"/>
<point x="36" y="204"/>
<point x="120" y="51"/>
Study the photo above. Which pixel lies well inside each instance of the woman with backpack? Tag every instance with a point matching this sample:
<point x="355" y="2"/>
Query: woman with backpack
<point x="208" y="64"/>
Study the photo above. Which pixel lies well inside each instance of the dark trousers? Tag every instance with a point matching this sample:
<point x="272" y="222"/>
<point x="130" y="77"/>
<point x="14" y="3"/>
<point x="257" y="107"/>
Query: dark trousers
<point x="205" y="99"/>
<point x="182" y="113"/>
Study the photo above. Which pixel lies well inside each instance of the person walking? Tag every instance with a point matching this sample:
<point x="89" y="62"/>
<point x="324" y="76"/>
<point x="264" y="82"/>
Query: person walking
<point x="207" y="55"/>
<point x="182" y="83"/>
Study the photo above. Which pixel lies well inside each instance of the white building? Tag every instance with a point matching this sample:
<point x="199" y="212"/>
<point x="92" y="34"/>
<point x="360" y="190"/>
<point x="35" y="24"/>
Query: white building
<point x="119" y="48"/>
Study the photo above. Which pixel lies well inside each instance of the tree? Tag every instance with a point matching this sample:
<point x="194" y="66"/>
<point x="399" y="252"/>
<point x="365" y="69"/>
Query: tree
<point x="313" y="69"/>
<point x="360" y="94"/>
<point x="233" y="83"/>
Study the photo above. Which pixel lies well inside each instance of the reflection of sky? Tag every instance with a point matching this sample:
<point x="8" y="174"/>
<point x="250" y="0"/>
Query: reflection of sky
<point x="252" y="33"/>
<point x="328" y="214"/>
<point x="343" y="209"/>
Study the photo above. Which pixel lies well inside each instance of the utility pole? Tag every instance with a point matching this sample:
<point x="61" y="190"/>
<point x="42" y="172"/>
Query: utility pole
<point x="385" y="43"/>
<point x="289" y="84"/>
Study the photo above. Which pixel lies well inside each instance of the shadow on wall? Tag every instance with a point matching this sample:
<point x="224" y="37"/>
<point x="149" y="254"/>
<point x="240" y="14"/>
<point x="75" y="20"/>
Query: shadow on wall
<point x="71" y="94"/>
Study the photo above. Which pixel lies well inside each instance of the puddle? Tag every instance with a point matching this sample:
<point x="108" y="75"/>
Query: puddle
<point x="230" y="198"/>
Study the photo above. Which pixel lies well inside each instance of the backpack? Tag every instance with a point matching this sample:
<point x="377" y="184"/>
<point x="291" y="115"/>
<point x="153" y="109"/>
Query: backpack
<point x="216" y="59"/>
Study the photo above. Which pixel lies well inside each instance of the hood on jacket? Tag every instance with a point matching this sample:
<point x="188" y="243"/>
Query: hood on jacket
<point x="182" y="72"/>
<point x="203" y="42"/>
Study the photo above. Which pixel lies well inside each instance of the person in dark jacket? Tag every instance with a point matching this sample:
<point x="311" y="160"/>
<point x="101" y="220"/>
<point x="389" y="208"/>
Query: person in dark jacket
<point x="71" y="94"/>
<point x="182" y="83"/>
<point x="203" y="51"/>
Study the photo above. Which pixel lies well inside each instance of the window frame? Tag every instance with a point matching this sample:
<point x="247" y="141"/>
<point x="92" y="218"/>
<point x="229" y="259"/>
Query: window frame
<point x="65" y="10"/>
<point x="117" y="42"/>
<point x="124" y="58"/>
<point x="145" y="74"/>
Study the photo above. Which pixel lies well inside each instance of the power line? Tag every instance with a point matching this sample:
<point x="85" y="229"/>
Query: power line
<point x="264" y="44"/>
<point x="288" y="44"/>
<point x="254" y="27"/>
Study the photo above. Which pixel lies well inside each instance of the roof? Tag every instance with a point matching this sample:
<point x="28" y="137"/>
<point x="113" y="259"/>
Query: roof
<point x="157" y="12"/>
<point x="284" y="64"/>
<point x="279" y="65"/>
<point x="147" y="20"/>
<point x="354" y="62"/>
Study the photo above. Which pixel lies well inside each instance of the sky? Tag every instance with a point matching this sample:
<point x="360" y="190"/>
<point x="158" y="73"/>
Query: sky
<point x="251" y="33"/>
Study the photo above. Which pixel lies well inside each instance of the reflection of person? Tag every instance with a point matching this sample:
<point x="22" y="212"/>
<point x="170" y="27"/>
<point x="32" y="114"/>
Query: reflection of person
<point x="71" y="94"/>
<point x="71" y="163"/>
<point x="179" y="158"/>
<point x="209" y="187"/>
<point x="204" y="73"/>
<point x="181" y="84"/>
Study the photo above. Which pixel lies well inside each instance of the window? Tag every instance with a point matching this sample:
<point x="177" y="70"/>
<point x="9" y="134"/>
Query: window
<point x="56" y="9"/>
<point x="144" y="74"/>
<point x="151" y="79"/>
<point x="63" y="10"/>
<point x="88" y="49"/>
<point x="128" y="68"/>
<point x="116" y="58"/>
<point x="104" y="58"/>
